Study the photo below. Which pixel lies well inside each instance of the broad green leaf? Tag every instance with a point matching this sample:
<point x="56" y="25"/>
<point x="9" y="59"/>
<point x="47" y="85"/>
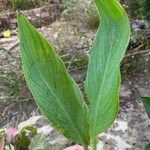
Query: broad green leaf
<point x="146" y="101"/>
<point x="103" y="79"/>
<point x="55" y="92"/>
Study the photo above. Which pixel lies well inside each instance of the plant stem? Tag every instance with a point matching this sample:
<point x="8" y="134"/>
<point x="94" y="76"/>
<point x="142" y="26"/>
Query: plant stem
<point x="85" y="147"/>
<point x="94" y="147"/>
<point x="94" y="142"/>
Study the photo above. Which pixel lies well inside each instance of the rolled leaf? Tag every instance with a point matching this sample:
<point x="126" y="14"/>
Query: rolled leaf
<point x="55" y="92"/>
<point x="103" y="79"/>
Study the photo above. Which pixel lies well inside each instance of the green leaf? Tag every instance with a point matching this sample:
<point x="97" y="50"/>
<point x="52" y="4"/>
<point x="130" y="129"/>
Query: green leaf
<point x="146" y="101"/>
<point x="147" y="147"/>
<point x="38" y="142"/>
<point x="103" y="79"/>
<point x="24" y="137"/>
<point x="55" y="92"/>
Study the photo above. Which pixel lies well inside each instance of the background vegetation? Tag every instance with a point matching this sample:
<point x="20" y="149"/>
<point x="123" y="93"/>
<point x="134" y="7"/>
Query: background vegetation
<point x="72" y="34"/>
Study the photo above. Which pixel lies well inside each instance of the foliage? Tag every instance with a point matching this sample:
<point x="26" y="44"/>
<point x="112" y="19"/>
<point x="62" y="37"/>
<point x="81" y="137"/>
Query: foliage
<point x="147" y="147"/>
<point x="103" y="77"/>
<point x="27" y="4"/>
<point x="146" y="9"/>
<point x="91" y="15"/>
<point x="56" y="93"/>
<point x="81" y="11"/>
<point x="135" y="8"/>
<point x="24" y="137"/>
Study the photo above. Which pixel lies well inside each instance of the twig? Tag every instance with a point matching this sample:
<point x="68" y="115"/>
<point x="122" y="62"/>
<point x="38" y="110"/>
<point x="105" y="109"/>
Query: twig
<point x="143" y="123"/>
<point x="70" y="62"/>
<point x="139" y="47"/>
<point x="137" y="53"/>
<point x="6" y="109"/>
<point x="13" y="46"/>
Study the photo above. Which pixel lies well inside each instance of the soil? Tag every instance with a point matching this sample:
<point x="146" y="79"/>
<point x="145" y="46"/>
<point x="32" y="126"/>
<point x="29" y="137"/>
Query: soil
<point x="17" y="104"/>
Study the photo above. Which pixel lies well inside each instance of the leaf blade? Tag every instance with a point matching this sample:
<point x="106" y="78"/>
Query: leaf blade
<point x="103" y="80"/>
<point x="55" y="92"/>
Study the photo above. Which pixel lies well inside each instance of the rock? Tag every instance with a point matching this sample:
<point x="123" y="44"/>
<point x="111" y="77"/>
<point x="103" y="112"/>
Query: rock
<point x="125" y="91"/>
<point x="112" y="142"/>
<point x="144" y="91"/>
<point x="57" y="144"/>
<point x="139" y="25"/>
<point x="31" y="121"/>
<point x="55" y="140"/>
<point x="46" y="130"/>
<point x="115" y="138"/>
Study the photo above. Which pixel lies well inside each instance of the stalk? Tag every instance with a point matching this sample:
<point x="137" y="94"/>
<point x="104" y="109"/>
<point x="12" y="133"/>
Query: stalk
<point x="94" y="143"/>
<point x="85" y="147"/>
<point x="94" y="146"/>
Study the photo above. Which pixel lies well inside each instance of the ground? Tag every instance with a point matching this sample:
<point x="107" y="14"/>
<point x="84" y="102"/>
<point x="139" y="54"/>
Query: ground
<point x="72" y="43"/>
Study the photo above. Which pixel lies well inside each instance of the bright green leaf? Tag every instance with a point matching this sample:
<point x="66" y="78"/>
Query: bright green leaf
<point x="103" y="79"/>
<point x="146" y="101"/>
<point x="55" y="92"/>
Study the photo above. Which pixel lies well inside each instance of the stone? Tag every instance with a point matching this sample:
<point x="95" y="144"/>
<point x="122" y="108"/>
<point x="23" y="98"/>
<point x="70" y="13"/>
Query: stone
<point x="54" y="139"/>
<point x="30" y="122"/>
<point x="46" y="130"/>
<point x="44" y="15"/>
<point x="125" y="91"/>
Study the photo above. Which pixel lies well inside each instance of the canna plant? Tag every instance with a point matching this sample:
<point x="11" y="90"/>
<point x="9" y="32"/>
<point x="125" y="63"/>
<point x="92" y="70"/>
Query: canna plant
<point x="56" y="93"/>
